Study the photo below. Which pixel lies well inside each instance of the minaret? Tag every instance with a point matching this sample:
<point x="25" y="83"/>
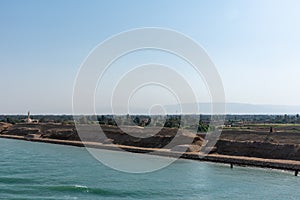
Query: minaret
<point x="28" y="117"/>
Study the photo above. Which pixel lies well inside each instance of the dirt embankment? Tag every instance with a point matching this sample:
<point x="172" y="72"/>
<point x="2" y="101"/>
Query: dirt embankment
<point x="4" y="126"/>
<point x="138" y="137"/>
<point x="261" y="144"/>
<point x="259" y="149"/>
<point x="249" y="143"/>
<point x="54" y="131"/>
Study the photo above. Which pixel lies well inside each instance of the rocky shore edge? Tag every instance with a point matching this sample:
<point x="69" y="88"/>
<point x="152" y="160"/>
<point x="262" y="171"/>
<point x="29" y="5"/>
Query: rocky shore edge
<point x="289" y="165"/>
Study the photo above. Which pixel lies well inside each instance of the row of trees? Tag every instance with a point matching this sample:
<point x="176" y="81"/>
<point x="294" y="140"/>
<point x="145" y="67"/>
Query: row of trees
<point x="170" y="121"/>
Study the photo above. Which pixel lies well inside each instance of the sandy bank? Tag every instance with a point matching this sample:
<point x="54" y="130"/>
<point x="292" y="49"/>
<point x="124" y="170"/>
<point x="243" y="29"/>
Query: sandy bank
<point x="291" y="165"/>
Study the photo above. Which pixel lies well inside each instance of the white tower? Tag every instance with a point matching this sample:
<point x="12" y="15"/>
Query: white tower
<point x="28" y="117"/>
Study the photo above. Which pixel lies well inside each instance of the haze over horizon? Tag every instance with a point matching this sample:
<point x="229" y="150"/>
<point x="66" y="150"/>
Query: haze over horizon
<point x="255" y="46"/>
<point x="204" y="108"/>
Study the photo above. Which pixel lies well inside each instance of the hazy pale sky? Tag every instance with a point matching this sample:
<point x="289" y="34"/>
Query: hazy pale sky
<point x="255" y="45"/>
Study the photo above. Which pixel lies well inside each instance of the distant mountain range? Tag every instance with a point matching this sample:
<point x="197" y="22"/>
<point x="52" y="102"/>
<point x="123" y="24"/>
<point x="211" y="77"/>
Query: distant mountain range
<point x="262" y="109"/>
<point x="205" y="108"/>
<point x="238" y="108"/>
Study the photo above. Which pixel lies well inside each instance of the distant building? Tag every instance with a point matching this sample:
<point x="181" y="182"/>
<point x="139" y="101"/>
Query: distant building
<point x="144" y="121"/>
<point x="28" y="120"/>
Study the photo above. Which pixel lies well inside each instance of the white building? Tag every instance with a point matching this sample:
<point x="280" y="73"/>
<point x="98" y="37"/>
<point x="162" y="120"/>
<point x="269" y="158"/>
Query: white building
<point x="28" y="120"/>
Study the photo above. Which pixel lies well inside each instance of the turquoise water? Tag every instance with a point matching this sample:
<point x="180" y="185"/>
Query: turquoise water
<point x="47" y="171"/>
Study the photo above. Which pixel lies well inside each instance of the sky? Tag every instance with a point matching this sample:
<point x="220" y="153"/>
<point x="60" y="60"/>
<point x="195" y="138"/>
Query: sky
<point x="254" y="45"/>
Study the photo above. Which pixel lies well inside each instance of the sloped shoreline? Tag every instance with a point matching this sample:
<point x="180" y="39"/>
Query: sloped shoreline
<point x="290" y="165"/>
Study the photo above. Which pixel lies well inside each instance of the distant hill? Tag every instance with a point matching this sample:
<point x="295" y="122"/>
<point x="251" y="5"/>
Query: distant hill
<point x="238" y="108"/>
<point x="231" y="108"/>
